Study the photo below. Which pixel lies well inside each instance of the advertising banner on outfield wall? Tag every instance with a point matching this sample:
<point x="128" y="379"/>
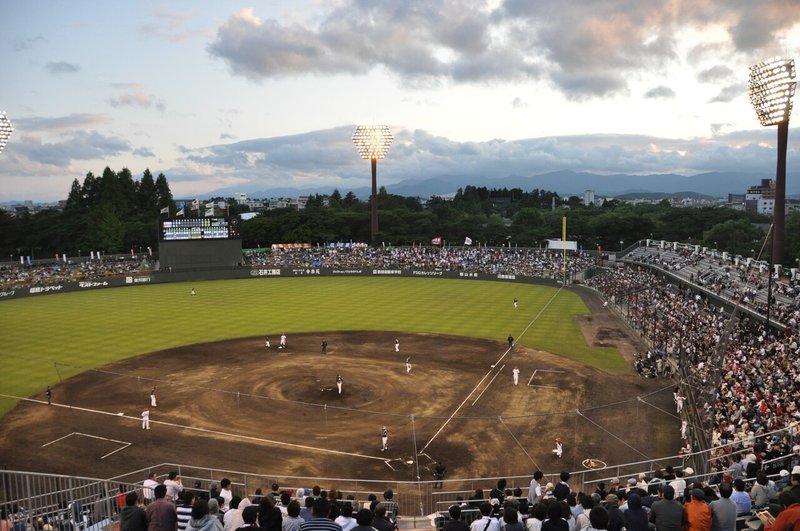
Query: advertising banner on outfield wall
<point x="263" y="273"/>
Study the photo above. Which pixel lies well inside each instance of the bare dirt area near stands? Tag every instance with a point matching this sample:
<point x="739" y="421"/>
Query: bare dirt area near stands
<point x="235" y="405"/>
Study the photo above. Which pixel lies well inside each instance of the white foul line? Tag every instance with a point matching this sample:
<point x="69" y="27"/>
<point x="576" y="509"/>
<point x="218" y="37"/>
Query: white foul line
<point x="446" y="422"/>
<point x="203" y="430"/>
<point x="489" y="384"/>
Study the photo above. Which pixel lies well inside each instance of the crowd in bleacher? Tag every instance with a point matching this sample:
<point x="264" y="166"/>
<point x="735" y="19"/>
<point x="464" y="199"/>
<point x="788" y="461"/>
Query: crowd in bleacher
<point x="20" y="275"/>
<point x="223" y="506"/>
<point x="745" y="386"/>
<point x="666" y="500"/>
<point x="739" y="280"/>
<point x="525" y="262"/>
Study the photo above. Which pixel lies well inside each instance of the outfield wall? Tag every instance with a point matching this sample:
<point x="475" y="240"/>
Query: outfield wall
<point x="254" y="273"/>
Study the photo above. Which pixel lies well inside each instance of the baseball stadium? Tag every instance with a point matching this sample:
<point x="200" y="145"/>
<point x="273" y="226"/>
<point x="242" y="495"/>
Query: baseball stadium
<point x="451" y="377"/>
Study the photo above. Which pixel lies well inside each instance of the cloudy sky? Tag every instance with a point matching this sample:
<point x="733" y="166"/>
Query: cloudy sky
<point x="221" y="94"/>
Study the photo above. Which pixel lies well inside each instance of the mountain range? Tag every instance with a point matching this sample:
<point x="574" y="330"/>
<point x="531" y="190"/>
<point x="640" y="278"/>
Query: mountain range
<point x="565" y="183"/>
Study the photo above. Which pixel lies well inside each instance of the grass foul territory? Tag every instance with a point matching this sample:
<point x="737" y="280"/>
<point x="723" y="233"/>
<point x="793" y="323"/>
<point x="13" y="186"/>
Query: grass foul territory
<point x="53" y="337"/>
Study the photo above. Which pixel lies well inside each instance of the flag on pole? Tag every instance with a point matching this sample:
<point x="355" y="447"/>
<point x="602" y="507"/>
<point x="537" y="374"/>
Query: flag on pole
<point x="196" y="204"/>
<point x="467" y="241"/>
<point x="209" y="213"/>
<point x="436" y="241"/>
<point x="180" y="212"/>
<point x="164" y="210"/>
<point x="209" y="206"/>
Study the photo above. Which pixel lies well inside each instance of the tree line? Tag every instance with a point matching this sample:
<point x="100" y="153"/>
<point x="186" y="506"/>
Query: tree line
<point x="115" y="212"/>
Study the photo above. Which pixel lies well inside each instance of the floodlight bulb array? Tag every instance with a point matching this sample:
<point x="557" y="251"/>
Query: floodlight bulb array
<point x="5" y="130"/>
<point x="372" y="141"/>
<point x="771" y="89"/>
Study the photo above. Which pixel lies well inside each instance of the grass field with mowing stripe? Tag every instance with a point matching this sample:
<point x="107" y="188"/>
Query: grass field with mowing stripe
<point x="56" y="336"/>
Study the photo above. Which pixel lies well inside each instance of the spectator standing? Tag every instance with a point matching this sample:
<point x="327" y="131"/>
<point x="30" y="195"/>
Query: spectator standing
<point x="132" y="517"/>
<point x="161" y="514"/>
<point x="147" y="487"/>
<point x="184" y="508"/>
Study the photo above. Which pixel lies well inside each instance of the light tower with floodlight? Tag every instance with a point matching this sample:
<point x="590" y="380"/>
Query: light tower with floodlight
<point x="771" y="88"/>
<point x="372" y="143"/>
<point x="5" y="130"/>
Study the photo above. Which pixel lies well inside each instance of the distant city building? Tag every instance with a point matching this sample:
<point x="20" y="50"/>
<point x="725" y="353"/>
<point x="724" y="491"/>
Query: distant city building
<point x="761" y="198"/>
<point x="588" y="197"/>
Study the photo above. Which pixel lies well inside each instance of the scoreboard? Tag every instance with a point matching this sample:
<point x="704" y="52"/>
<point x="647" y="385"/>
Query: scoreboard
<point x="193" y="229"/>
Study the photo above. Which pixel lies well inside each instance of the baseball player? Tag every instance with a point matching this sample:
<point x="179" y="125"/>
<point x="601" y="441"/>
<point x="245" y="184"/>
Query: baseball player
<point x="153" y="397"/>
<point x="397" y="345"/>
<point x="283" y="341"/>
<point x="559" y="449"/>
<point x="146" y="419"/>
<point x="49" y="395"/>
<point x="324" y="346"/>
<point x="339" y="382"/>
<point x="384" y="439"/>
<point x="516" y="375"/>
<point x="510" y="341"/>
<point x="516" y="302"/>
<point x="408" y="365"/>
<point x="194" y="292"/>
<point x="266" y="343"/>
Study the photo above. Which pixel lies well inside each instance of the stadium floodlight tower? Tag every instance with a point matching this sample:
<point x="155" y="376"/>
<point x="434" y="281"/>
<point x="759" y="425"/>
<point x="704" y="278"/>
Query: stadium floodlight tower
<point x="5" y="130"/>
<point x="771" y="89"/>
<point x="372" y="143"/>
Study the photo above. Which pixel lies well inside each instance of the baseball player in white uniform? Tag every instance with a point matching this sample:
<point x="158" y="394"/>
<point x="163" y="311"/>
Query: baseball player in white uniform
<point x="146" y="419"/>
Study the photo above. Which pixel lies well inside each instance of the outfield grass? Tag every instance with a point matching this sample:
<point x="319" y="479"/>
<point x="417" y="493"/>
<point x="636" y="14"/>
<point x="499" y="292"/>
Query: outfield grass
<point x="54" y="336"/>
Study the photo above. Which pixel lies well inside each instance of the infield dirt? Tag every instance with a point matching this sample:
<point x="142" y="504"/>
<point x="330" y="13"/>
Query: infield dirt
<point x="235" y="405"/>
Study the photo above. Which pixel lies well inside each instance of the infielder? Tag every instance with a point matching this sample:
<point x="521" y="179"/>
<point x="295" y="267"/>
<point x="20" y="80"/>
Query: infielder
<point x="559" y="449"/>
<point x="324" y="346"/>
<point x="266" y="343"/>
<point x="516" y="375"/>
<point x="146" y="419"/>
<point x="339" y="382"/>
<point x="153" y="397"/>
<point x="397" y="345"/>
<point x="384" y="439"/>
<point x="283" y="341"/>
<point x="408" y="365"/>
<point x="49" y="394"/>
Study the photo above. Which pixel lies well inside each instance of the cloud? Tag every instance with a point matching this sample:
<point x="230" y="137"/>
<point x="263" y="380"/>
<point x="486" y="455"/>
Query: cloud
<point x="61" y="67"/>
<point x="226" y="136"/>
<point x="518" y="103"/>
<point x="61" y="123"/>
<point x="80" y="145"/>
<point x="143" y="152"/>
<point x="133" y="94"/>
<point x="714" y="74"/>
<point x="21" y="45"/>
<point x="660" y="91"/>
<point x="729" y="93"/>
<point x="327" y="158"/>
<point x="171" y="26"/>
<point x="584" y="49"/>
